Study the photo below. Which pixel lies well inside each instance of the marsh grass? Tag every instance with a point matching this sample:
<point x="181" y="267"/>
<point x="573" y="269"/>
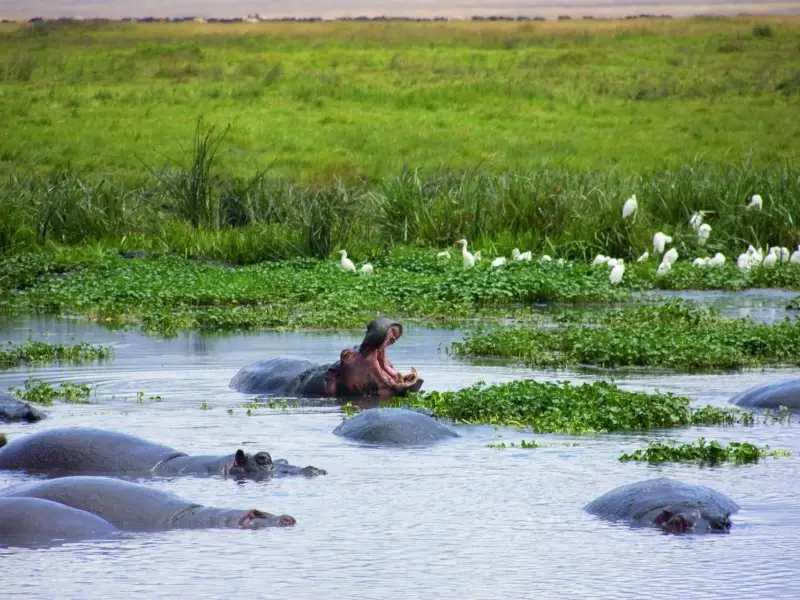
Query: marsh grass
<point x="562" y="407"/>
<point x="703" y="452"/>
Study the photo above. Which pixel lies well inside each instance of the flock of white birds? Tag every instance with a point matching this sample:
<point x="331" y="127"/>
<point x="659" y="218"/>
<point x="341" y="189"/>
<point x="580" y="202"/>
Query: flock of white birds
<point x="752" y="257"/>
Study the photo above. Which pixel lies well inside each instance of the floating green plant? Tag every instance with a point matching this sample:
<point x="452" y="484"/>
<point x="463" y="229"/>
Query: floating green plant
<point x="38" y="391"/>
<point x="42" y="352"/>
<point x="528" y="445"/>
<point x="703" y="452"/>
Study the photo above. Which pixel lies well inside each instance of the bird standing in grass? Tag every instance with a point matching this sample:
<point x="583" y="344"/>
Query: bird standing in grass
<point x="664" y="267"/>
<point x="795" y="258"/>
<point x="717" y="261"/>
<point x="756" y="203"/>
<point x="671" y="256"/>
<point x="660" y="240"/>
<point x="700" y="262"/>
<point x="696" y="220"/>
<point x="703" y="233"/>
<point x="770" y="260"/>
<point x="467" y="259"/>
<point x="366" y="269"/>
<point x="498" y="262"/>
<point x="617" y="272"/>
<point x="345" y="263"/>
<point x="630" y="206"/>
<point x="517" y="255"/>
<point x="599" y="260"/>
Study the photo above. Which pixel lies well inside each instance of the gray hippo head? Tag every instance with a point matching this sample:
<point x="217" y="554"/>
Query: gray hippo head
<point x="687" y="517"/>
<point x="365" y="371"/>
<point x="251" y="466"/>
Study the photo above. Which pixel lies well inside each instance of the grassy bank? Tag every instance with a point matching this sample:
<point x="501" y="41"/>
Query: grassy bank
<point x="351" y="100"/>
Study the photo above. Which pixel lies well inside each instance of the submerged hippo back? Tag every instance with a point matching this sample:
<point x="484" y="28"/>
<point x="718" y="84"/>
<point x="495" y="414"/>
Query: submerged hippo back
<point x="278" y="376"/>
<point x="26" y="521"/>
<point x="12" y="410"/>
<point x="82" y="450"/>
<point x="393" y="426"/>
<point x="128" y="506"/>
<point x="772" y="395"/>
<point x="637" y="501"/>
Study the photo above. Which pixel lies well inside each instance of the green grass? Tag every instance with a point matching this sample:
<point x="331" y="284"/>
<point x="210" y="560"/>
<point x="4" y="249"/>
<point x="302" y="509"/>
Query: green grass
<point x="671" y="335"/>
<point x="702" y="452"/>
<point x="38" y="391"/>
<point x="32" y="352"/>
<point x="600" y="407"/>
<point x="363" y="99"/>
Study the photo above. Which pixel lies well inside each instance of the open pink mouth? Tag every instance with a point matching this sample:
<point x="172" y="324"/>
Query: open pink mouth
<point x="391" y="374"/>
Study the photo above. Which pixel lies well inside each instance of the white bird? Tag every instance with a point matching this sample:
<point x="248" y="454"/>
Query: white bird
<point x="696" y="220"/>
<point x="717" y="261"/>
<point x="703" y="233"/>
<point x="545" y="258"/>
<point x="367" y="269"/>
<point x="700" y="262"/>
<point x="660" y="240"/>
<point x="613" y="262"/>
<point x="478" y="255"/>
<point x="346" y="264"/>
<point x="599" y="260"/>
<point x="743" y="262"/>
<point x="664" y="267"/>
<point x="770" y="260"/>
<point x="498" y="262"/>
<point x="643" y="257"/>
<point x="756" y="203"/>
<point x="671" y="256"/>
<point x="467" y="259"/>
<point x="443" y="254"/>
<point x="517" y="255"/>
<point x="783" y="254"/>
<point x="630" y="206"/>
<point x="617" y="272"/>
<point x="795" y="258"/>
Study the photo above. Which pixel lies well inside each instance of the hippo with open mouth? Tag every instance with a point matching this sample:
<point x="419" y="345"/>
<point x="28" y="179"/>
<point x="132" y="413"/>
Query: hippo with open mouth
<point x="86" y="451"/>
<point x="363" y="371"/>
<point x="132" y="506"/>
<point x="668" y="504"/>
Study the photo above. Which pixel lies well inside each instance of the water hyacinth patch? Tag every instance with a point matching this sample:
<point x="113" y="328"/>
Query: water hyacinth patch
<point x="562" y="407"/>
<point x="703" y="452"/>
<point x="41" y="352"/>
<point x="38" y="391"/>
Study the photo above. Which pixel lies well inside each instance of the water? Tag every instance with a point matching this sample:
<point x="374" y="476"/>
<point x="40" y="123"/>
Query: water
<point x="456" y="520"/>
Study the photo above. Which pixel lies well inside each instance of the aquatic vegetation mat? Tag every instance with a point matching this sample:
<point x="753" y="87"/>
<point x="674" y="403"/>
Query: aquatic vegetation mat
<point x="562" y="407"/>
<point x="672" y="335"/>
<point x="33" y="352"/>
<point x="704" y="452"/>
<point x="38" y="391"/>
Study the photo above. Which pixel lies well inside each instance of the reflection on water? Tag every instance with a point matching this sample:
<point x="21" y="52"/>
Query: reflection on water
<point x="457" y="520"/>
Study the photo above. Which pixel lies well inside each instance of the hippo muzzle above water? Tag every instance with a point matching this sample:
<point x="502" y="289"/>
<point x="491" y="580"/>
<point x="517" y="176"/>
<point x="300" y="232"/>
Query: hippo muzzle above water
<point x="670" y="505"/>
<point x="85" y="451"/>
<point x="13" y="410"/>
<point x="360" y="372"/>
<point x="772" y="396"/>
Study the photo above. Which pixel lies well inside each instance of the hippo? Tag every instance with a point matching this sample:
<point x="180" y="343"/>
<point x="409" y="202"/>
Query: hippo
<point x="135" y="507"/>
<point x="36" y="522"/>
<point x="13" y="410"/>
<point x="393" y="426"/>
<point x="668" y="504"/>
<point x="86" y="451"/>
<point x="772" y="395"/>
<point x="363" y="371"/>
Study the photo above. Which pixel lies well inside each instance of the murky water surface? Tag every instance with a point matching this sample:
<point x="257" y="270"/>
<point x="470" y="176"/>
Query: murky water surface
<point x="457" y="520"/>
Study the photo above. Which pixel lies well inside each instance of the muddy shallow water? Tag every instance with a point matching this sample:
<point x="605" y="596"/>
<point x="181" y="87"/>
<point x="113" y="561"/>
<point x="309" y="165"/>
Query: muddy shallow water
<point x="456" y="520"/>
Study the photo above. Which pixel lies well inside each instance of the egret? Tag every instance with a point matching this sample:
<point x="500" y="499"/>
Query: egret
<point x="659" y="241"/>
<point x="467" y="258"/>
<point x="717" y="261"/>
<point x="498" y="262"/>
<point x="783" y="254"/>
<point x="743" y="261"/>
<point x="613" y="262"/>
<point x="664" y="267"/>
<point x="545" y="258"/>
<point x="443" y="254"/>
<point x="770" y="260"/>
<point x="629" y="207"/>
<point x="517" y="255"/>
<point x="703" y="233"/>
<point x="696" y="220"/>
<point x="346" y="264"/>
<point x="617" y="272"/>
<point x="700" y="262"/>
<point x="599" y="260"/>
<point x="643" y="257"/>
<point x="671" y="256"/>
<point x="366" y="269"/>
<point x="795" y="259"/>
<point x="756" y="203"/>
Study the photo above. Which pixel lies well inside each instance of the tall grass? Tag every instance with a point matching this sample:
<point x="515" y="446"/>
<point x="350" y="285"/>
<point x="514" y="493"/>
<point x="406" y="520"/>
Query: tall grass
<point x="560" y="211"/>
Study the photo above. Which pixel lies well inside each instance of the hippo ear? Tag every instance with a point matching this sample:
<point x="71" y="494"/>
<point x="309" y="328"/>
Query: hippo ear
<point x="241" y="458"/>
